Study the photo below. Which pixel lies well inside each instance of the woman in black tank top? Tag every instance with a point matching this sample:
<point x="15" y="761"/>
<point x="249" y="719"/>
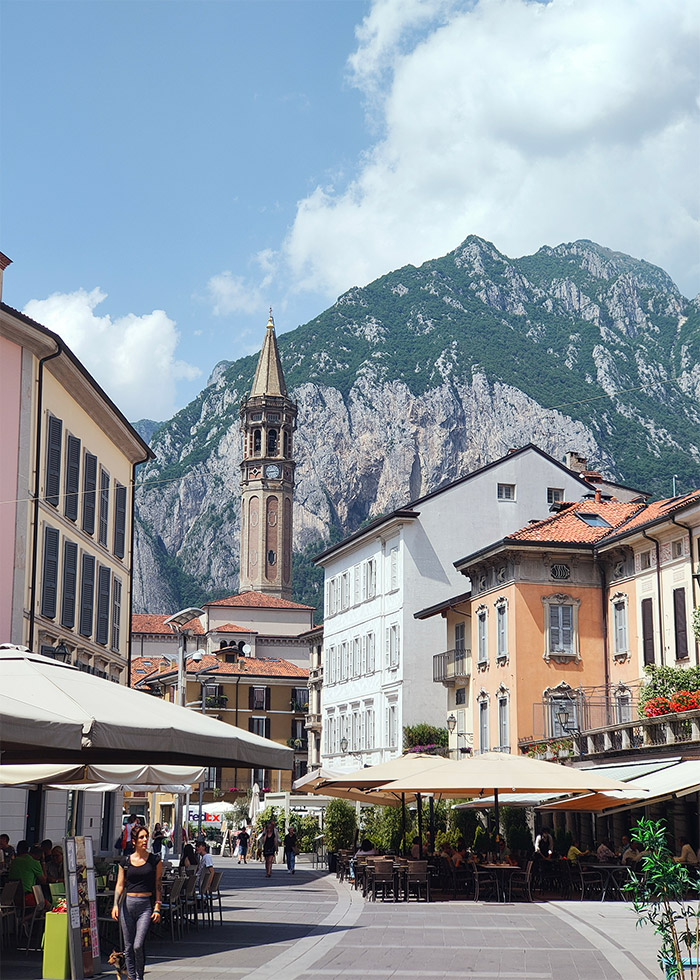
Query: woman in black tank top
<point x="140" y="875"/>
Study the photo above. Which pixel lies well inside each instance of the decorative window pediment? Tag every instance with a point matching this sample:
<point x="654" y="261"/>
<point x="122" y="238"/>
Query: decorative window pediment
<point x="561" y="639"/>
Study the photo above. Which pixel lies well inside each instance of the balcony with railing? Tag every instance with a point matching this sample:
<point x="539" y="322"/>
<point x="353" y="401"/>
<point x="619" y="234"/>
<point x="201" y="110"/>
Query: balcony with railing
<point x="313" y="723"/>
<point x="452" y="666"/>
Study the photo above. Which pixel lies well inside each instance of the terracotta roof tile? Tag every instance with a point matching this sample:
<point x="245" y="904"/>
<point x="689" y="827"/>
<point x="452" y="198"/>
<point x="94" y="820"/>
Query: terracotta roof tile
<point x="155" y="623"/>
<point x="255" y="666"/>
<point x="257" y="600"/>
<point x="569" y="525"/>
<point x="232" y="628"/>
<point x="659" y="509"/>
<point x="142" y="667"/>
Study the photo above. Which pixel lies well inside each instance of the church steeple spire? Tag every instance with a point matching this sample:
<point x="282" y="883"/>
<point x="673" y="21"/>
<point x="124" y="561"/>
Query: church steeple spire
<point x="268" y="421"/>
<point x="269" y="377"/>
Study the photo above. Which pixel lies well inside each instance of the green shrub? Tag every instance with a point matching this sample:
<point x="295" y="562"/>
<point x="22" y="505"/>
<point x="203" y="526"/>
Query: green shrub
<point x="339" y="825"/>
<point x="664" y="682"/>
<point x="271" y="813"/>
<point x="307" y="829"/>
<point x="425" y="736"/>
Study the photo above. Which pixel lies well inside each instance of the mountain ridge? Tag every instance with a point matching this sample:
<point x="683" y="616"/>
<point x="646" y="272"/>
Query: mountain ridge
<point x="425" y="373"/>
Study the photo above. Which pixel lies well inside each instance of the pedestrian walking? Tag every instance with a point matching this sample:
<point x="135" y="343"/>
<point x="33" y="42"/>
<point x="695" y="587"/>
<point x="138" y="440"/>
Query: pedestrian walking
<point x="291" y="849"/>
<point x="157" y="839"/>
<point x="243" y="842"/>
<point x="140" y="875"/>
<point x="270" y="844"/>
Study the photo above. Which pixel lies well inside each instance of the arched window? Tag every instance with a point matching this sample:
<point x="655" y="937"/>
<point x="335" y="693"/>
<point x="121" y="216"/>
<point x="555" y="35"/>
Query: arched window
<point x="286" y="445"/>
<point x="257" y="442"/>
<point x="272" y="442"/>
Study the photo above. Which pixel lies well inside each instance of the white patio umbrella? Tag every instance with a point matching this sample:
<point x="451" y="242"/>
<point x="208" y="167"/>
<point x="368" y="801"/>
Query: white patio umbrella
<point x="51" y="712"/>
<point x="254" y="808"/>
<point x="105" y="779"/>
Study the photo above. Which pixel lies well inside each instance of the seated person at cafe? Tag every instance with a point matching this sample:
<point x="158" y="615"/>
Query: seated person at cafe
<point x="687" y="855"/>
<point x="28" y="871"/>
<point x="7" y="851"/>
<point x="415" y="848"/>
<point x="631" y="854"/>
<point x="46" y="848"/>
<point x="459" y="855"/>
<point x="189" y="858"/>
<point x="206" y="862"/>
<point x="575" y="853"/>
<point x="54" y="866"/>
<point x="366" y="849"/>
<point x="605" y="853"/>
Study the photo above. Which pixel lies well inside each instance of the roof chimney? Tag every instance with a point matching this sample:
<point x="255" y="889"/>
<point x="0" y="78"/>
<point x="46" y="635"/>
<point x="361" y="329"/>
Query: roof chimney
<point x="4" y="262"/>
<point x="576" y="462"/>
<point x="597" y="496"/>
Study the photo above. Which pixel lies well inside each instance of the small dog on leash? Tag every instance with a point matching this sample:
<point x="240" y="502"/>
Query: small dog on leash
<point x="118" y="961"/>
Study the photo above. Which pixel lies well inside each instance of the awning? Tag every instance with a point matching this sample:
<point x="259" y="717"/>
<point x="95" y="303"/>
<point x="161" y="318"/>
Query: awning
<point x="320" y="782"/>
<point x="145" y="779"/>
<point x="51" y="712"/>
<point x="667" y="782"/>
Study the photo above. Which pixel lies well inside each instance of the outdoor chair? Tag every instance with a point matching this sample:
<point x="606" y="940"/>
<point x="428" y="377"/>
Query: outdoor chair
<point x="172" y="909"/>
<point x="417" y="879"/>
<point x="485" y="884"/>
<point x="215" y="892"/>
<point x="57" y="890"/>
<point x="8" y="910"/>
<point x="588" y="879"/>
<point x="448" y="878"/>
<point x="382" y="878"/>
<point x="189" y="901"/>
<point x="204" y="899"/>
<point x="32" y="917"/>
<point x="520" y="882"/>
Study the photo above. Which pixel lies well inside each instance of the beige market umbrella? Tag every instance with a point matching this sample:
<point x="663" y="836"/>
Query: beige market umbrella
<point x="97" y="722"/>
<point x="494" y="772"/>
<point x="147" y="779"/>
<point x="319" y="782"/>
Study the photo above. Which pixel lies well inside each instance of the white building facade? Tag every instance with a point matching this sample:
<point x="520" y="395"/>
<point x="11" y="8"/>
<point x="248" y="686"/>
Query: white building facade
<point x="378" y="659"/>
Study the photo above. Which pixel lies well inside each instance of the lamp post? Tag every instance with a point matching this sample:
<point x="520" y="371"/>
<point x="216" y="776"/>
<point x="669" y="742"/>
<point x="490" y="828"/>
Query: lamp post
<point x="451" y="725"/>
<point x="562" y="715"/>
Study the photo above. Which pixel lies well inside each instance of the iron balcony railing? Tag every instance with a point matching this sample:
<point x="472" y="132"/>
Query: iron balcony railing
<point x="452" y="666"/>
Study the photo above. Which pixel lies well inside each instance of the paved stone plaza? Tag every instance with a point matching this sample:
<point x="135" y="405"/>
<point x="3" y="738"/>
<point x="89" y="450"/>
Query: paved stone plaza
<point x="310" y="927"/>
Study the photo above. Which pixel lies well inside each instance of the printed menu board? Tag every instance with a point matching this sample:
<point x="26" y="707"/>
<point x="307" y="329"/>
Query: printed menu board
<point x="81" y="899"/>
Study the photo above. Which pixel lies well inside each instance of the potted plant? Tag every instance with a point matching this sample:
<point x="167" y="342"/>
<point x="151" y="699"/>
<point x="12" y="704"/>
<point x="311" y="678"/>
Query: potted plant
<point x="660" y="899"/>
<point x="339" y="828"/>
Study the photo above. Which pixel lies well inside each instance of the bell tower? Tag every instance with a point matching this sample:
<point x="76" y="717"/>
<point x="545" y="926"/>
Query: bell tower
<point x="268" y="421"/>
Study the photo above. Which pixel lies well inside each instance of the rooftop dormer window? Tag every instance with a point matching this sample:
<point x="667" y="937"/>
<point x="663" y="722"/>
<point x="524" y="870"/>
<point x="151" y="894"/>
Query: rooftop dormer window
<point x="593" y="520"/>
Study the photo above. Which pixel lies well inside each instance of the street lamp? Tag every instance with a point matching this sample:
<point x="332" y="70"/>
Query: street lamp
<point x="61" y="652"/>
<point x="562" y="716"/>
<point x="344" y="745"/>
<point x="451" y="723"/>
<point x="177" y="623"/>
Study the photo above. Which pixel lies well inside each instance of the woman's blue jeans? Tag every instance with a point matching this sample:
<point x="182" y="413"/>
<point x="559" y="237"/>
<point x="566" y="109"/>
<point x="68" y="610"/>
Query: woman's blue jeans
<point x="291" y="857"/>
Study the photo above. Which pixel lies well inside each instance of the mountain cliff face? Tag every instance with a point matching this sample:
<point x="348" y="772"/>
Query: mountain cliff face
<point x="426" y="374"/>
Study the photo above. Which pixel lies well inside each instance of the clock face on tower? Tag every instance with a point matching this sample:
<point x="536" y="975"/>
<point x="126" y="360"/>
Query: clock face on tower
<point x="272" y="471"/>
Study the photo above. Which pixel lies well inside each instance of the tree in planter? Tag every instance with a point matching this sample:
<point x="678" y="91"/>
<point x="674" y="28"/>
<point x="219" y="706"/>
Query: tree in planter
<point x="308" y="830"/>
<point x="659" y="899"/>
<point x="517" y="832"/>
<point x="339" y="825"/>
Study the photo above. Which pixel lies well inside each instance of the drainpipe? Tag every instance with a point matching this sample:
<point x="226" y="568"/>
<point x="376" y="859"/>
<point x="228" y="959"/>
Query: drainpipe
<point x="606" y="661"/>
<point x="131" y="572"/>
<point x="659" y="596"/>
<point x="693" y="579"/>
<point x="37" y="481"/>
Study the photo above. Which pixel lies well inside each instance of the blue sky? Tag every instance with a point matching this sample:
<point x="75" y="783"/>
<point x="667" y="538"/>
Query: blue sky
<point x="171" y="169"/>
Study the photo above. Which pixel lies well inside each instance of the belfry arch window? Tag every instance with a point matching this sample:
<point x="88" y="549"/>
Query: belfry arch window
<point x="257" y="442"/>
<point x="285" y="444"/>
<point x="272" y="442"/>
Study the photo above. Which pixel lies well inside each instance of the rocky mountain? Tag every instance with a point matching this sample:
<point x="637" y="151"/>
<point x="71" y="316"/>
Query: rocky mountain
<point x="421" y="376"/>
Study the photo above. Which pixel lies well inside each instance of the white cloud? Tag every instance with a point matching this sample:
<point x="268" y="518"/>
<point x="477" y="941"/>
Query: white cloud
<point x="526" y="123"/>
<point x="229" y="293"/>
<point x="132" y="357"/>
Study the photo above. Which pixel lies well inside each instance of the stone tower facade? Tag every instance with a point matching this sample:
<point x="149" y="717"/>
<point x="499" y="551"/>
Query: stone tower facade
<point x="268" y="421"/>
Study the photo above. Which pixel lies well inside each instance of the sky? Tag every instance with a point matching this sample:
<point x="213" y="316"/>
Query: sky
<point x="173" y="169"/>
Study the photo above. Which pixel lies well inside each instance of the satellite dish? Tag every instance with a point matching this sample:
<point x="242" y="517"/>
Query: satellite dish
<point x="246" y="650"/>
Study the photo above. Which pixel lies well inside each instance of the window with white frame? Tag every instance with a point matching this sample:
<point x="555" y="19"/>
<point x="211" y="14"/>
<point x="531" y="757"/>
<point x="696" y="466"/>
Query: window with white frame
<point x="645" y="560"/>
<point x="369" y="578"/>
<point x="344" y="660"/>
<point x="620" y="634"/>
<point x="623" y="705"/>
<point x="555" y="495"/>
<point x="392" y="645"/>
<point x="370" y="653"/>
<point x="506" y="491"/>
<point x="391" y="726"/>
<point x="483" y="724"/>
<point x="369" y="728"/>
<point x="501" y="627"/>
<point x="460" y="644"/>
<point x="356" y="657"/>
<point x="503" y="726"/>
<point x="330" y="665"/>
<point x="355" y="731"/>
<point x="345" y="590"/>
<point x="461" y="695"/>
<point x="561" y="640"/>
<point x="393" y="569"/>
<point x="677" y="548"/>
<point x="481" y="635"/>
<point x="357" y="584"/>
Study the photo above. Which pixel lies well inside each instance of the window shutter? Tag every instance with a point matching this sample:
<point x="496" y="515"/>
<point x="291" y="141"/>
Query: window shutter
<point x="103" y="589"/>
<point x="87" y="595"/>
<point x="104" y="507"/>
<point x="251" y="699"/>
<point x="250" y="722"/>
<point x="648" y="630"/>
<point x="387" y="646"/>
<point x="566" y="627"/>
<point x="70" y="576"/>
<point x="268" y="697"/>
<point x="89" y="489"/>
<point x="53" y="460"/>
<point x="554" y="630"/>
<point x="116" y="612"/>
<point x="681" y="626"/>
<point x="50" y="577"/>
<point x="72" y="477"/>
<point x="267" y="728"/>
<point x="119" y="519"/>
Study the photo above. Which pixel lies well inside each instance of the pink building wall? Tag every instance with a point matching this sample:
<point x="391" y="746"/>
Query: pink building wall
<point x="10" y="377"/>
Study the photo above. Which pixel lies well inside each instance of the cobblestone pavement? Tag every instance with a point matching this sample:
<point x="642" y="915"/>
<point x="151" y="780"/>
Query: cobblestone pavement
<point x="307" y="926"/>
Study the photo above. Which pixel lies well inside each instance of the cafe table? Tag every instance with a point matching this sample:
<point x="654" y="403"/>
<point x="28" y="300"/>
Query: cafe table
<point x="501" y="873"/>
<point x="610" y="874"/>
